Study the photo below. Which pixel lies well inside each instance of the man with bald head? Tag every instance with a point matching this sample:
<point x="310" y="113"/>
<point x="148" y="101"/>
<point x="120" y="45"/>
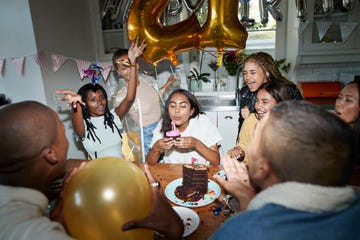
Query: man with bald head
<point x="300" y="161"/>
<point x="33" y="152"/>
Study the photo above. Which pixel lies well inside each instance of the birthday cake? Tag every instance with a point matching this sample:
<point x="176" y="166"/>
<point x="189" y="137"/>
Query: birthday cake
<point x="174" y="133"/>
<point x="195" y="183"/>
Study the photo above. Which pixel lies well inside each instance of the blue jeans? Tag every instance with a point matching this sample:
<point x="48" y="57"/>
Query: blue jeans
<point x="148" y="135"/>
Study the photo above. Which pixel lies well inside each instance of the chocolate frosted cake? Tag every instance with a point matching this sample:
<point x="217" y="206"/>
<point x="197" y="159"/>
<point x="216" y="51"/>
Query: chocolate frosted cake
<point x="195" y="183"/>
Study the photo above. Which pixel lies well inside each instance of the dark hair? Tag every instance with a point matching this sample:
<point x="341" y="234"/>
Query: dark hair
<point x="277" y="90"/>
<point x="120" y="52"/>
<point x="4" y="100"/>
<point x="194" y="104"/>
<point x="313" y="145"/>
<point x="267" y="64"/>
<point x="108" y="117"/>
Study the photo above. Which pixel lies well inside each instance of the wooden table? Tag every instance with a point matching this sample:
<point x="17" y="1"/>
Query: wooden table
<point x="165" y="173"/>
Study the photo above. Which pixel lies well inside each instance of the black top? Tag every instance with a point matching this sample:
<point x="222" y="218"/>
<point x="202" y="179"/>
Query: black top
<point x="247" y="98"/>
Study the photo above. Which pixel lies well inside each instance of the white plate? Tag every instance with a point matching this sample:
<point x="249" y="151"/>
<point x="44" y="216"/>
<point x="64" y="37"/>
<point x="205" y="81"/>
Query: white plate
<point x="213" y="193"/>
<point x="222" y="174"/>
<point x="190" y="219"/>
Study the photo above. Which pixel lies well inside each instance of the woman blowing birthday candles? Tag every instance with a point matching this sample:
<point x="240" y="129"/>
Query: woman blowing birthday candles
<point x="199" y="137"/>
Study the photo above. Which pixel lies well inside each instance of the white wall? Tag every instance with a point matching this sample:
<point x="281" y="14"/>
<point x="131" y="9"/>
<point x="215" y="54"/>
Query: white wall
<point x="16" y="40"/>
<point x="61" y="27"/>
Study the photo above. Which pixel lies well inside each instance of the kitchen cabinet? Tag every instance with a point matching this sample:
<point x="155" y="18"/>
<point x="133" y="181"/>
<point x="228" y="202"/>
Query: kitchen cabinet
<point x="227" y="123"/>
<point x="108" y="31"/>
<point x="330" y="36"/>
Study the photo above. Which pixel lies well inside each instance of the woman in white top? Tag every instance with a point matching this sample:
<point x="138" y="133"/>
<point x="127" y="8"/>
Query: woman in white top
<point x="97" y="126"/>
<point x="199" y="138"/>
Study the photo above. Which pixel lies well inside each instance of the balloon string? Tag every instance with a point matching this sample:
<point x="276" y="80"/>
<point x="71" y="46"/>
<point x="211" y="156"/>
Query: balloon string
<point x="129" y="155"/>
<point x="172" y="70"/>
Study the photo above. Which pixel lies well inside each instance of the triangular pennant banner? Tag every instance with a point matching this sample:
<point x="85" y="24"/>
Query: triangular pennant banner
<point x="346" y="29"/>
<point x="106" y="67"/>
<point x="40" y="59"/>
<point x="19" y="64"/>
<point x="82" y="65"/>
<point x="323" y="27"/>
<point x="2" y="61"/>
<point x="57" y="61"/>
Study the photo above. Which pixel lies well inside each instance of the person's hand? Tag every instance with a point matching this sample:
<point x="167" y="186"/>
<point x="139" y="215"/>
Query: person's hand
<point x="164" y="144"/>
<point x="57" y="212"/>
<point x="245" y="112"/>
<point x="71" y="97"/>
<point x="186" y="142"/>
<point x="237" y="152"/>
<point x="135" y="50"/>
<point x="171" y="79"/>
<point x="237" y="181"/>
<point x="162" y="217"/>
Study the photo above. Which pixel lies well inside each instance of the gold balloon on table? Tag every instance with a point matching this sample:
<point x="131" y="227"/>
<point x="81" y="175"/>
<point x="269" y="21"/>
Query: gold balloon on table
<point x="104" y="195"/>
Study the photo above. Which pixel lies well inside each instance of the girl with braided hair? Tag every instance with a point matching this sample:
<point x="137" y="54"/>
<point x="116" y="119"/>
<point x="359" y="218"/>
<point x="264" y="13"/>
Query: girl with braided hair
<point x="96" y="125"/>
<point x="258" y="69"/>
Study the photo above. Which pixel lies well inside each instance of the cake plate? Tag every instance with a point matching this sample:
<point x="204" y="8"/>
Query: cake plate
<point x="213" y="193"/>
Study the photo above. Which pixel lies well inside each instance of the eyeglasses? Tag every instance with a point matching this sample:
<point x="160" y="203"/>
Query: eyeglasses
<point x="125" y="63"/>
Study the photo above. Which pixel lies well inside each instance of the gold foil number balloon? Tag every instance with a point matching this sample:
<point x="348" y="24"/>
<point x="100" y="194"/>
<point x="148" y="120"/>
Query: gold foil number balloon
<point x="222" y="28"/>
<point x="104" y="195"/>
<point x="162" y="41"/>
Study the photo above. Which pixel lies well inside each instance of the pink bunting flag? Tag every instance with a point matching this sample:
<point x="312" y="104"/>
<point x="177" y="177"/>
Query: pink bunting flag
<point x="82" y="65"/>
<point x="106" y="67"/>
<point x="57" y="61"/>
<point x="40" y="59"/>
<point x="19" y="64"/>
<point x="2" y="61"/>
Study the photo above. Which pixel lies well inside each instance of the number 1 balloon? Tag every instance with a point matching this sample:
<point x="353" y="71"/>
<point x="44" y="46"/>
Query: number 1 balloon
<point x="222" y="28"/>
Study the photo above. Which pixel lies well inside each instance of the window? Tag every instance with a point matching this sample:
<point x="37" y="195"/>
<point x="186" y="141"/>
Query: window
<point x="259" y="36"/>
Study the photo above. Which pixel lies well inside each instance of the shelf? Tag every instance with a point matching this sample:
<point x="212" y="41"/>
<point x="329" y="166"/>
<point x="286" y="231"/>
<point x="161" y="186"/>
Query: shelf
<point x="332" y="15"/>
<point x="119" y="30"/>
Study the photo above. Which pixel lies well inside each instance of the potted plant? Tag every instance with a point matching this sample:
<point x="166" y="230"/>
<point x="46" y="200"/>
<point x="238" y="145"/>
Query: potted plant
<point x="196" y="78"/>
<point x="233" y="60"/>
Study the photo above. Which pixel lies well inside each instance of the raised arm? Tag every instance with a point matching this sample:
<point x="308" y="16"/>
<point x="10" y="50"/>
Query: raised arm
<point x="134" y="52"/>
<point x="171" y="79"/>
<point x="74" y="100"/>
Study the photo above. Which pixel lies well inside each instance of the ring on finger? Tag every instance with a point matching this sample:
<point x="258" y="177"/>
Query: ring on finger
<point x="155" y="184"/>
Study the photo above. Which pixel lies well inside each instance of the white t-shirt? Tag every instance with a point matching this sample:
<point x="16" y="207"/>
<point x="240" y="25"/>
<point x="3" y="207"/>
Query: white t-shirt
<point x="110" y="145"/>
<point x="199" y="127"/>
